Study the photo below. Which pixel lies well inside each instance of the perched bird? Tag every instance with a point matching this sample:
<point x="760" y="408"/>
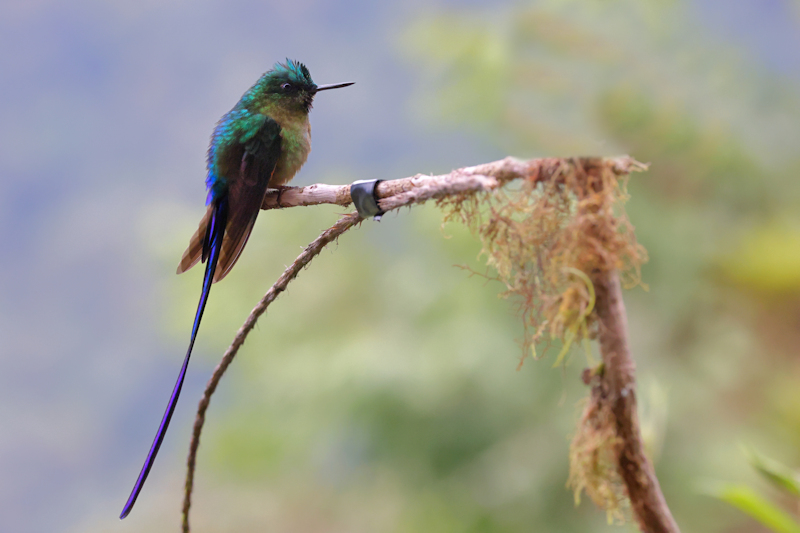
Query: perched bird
<point x="261" y="143"/>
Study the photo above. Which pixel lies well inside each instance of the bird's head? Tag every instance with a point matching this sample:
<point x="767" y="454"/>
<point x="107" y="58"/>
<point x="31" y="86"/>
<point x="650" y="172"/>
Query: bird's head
<point x="290" y="85"/>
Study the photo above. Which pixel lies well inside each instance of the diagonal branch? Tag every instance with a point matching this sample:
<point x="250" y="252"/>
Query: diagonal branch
<point x="311" y="251"/>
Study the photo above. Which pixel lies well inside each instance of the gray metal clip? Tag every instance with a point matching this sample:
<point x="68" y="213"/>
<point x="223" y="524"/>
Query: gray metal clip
<point x="365" y="197"/>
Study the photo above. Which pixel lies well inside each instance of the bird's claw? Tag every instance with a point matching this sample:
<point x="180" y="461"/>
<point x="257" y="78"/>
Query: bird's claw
<point x="280" y="189"/>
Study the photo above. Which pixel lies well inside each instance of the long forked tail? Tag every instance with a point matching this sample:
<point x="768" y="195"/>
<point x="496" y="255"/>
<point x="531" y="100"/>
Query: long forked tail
<point x="211" y="250"/>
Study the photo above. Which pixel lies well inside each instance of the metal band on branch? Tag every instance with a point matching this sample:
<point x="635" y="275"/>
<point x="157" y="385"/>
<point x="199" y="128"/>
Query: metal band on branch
<point x="365" y="198"/>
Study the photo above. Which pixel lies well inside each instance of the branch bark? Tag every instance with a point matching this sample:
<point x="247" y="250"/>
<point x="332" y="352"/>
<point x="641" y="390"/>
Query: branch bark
<point x="618" y="388"/>
<point x="420" y="188"/>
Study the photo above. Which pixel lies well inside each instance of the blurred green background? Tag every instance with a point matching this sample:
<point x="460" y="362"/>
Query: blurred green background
<point x="380" y="392"/>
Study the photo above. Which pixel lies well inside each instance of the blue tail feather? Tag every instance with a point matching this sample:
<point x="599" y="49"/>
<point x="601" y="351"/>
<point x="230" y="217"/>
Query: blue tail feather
<point x="213" y="240"/>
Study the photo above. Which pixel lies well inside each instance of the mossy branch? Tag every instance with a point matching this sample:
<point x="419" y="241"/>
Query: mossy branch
<point x="562" y="226"/>
<point x="615" y="390"/>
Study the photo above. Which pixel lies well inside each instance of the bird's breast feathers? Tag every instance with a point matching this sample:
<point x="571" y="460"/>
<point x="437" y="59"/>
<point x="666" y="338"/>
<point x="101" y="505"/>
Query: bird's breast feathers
<point x="295" y="146"/>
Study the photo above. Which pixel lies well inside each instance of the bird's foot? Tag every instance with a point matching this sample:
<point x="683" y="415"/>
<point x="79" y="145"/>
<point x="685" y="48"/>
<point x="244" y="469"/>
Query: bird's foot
<point x="280" y="189"/>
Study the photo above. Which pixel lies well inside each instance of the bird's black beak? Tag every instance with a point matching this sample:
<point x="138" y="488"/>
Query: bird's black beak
<point x="333" y="86"/>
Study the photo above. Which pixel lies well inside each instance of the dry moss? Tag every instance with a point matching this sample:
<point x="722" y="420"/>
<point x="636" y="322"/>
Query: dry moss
<point x="544" y="238"/>
<point x="593" y="462"/>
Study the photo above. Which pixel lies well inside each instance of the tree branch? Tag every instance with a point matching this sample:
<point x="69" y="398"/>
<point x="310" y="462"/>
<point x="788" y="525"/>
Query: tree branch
<point x="617" y="383"/>
<point x="419" y="188"/>
<point x="617" y="389"/>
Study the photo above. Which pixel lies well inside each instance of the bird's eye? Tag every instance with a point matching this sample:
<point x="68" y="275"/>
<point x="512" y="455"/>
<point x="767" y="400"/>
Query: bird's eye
<point x="286" y="86"/>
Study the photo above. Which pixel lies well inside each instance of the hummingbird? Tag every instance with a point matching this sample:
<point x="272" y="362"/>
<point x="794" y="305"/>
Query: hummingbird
<point x="259" y="144"/>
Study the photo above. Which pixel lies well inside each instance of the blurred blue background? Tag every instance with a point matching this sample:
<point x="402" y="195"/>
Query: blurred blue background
<point x="380" y="392"/>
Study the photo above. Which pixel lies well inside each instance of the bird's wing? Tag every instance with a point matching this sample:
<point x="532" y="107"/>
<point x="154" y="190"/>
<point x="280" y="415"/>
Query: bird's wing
<point x="262" y="148"/>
